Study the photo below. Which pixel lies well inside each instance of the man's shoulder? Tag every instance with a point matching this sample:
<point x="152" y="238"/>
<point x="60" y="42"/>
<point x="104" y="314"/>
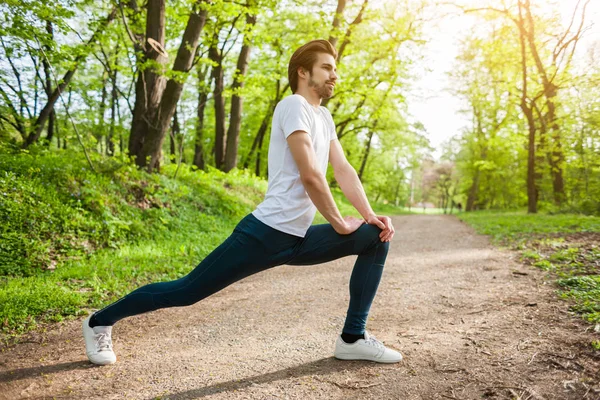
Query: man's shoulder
<point x="293" y="100"/>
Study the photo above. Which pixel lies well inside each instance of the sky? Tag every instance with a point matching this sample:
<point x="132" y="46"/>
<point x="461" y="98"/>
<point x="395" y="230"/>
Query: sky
<point x="430" y="101"/>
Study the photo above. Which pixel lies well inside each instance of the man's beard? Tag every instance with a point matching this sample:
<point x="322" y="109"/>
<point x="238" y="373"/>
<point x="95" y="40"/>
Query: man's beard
<point x="324" y="91"/>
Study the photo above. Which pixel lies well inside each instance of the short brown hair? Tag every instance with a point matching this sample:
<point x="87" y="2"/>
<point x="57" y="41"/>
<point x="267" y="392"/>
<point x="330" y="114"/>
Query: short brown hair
<point x="305" y="58"/>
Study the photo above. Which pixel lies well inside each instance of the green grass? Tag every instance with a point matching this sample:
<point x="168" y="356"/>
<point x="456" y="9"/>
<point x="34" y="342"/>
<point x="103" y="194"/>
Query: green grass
<point x="565" y="245"/>
<point x="517" y="225"/>
<point x="75" y="240"/>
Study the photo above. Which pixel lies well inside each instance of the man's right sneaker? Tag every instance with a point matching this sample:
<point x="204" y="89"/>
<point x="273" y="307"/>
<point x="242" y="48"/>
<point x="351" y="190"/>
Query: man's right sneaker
<point x="369" y="349"/>
<point x="98" y="343"/>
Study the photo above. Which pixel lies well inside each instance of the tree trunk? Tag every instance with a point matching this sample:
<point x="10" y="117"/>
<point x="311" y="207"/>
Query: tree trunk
<point x="397" y="192"/>
<point x="219" y="103"/>
<point x="363" y="164"/>
<point x="40" y="122"/>
<point x="371" y="132"/>
<point x="259" y="154"/>
<point x="174" y="132"/>
<point x="110" y="145"/>
<point x="333" y="40"/>
<point x="557" y="157"/>
<point x="264" y="126"/>
<point x="235" y="115"/>
<point x="176" y="139"/>
<point x="183" y="63"/>
<point x="150" y="85"/>
<point x="48" y="85"/>
<point x="339" y="15"/>
<point x="473" y="191"/>
<point x="532" y="191"/>
<point x="203" y="90"/>
<point x="100" y="137"/>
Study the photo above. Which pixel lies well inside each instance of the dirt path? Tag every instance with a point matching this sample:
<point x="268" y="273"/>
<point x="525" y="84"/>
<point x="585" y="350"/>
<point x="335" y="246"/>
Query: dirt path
<point x="471" y="322"/>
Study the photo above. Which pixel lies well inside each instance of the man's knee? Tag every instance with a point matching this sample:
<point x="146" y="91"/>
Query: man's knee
<point x="371" y="237"/>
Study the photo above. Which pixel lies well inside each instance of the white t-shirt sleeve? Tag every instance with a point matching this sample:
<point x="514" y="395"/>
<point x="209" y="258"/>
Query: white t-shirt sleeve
<point x="331" y="126"/>
<point x="295" y="115"/>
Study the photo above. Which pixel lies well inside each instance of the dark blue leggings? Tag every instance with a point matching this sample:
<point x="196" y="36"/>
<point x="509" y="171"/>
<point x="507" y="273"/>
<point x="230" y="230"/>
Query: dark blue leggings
<point x="254" y="247"/>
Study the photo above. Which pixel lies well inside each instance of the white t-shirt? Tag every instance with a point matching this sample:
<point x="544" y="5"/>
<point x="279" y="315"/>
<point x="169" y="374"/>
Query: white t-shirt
<point x="286" y="206"/>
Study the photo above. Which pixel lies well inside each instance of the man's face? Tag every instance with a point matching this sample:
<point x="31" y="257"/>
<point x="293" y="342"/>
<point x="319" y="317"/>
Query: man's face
<point x="323" y="76"/>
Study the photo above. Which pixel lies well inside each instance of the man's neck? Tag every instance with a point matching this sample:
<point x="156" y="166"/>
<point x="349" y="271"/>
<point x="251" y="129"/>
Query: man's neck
<point x="310" y="96"/>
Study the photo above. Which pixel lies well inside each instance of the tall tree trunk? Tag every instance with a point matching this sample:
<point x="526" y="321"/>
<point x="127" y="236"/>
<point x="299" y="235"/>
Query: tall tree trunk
<point x="176" y="139"/>
<point x="203" y="89"/>
<point x="219" y="103"/>
<point x="473" y="196"/>
<point x="259" y="154"/>
<point x="235" y="115"/>
<point x="339" y="15"/>
<point x="183" y="63"/>
<point x="363" y="164"/>
<point x="557" y="158"/>
<point x="110" y="145"/>
<point x="48" y="85"/>
<point x="532" y="191"/>
<point x="172" y="136"/>
<point x="264" y="126"/>
<point x="473" y="192"/>
<point x="150" y="84"/>
<point x="333" y="39"/>
<point x="100" y="136"/>
<point x="372" y="129"/>
<point x="41" y="120"/>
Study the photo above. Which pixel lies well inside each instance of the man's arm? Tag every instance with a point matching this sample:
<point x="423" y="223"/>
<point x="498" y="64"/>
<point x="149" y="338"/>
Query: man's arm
<point x="347" y="178"/>
<point x="316" y="185"/>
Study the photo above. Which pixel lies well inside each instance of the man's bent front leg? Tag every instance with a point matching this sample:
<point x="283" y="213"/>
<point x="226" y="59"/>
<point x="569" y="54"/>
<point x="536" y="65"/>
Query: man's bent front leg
<point x="322" y="244"/>
<point x="364" y="282"/>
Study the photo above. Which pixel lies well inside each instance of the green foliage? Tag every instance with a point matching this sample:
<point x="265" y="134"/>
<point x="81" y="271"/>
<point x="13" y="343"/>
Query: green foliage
<point x="544" y="264"/>
<point x="492" y="152"/>
<point x="585" y="291"/>
<point x="54" y="207"/>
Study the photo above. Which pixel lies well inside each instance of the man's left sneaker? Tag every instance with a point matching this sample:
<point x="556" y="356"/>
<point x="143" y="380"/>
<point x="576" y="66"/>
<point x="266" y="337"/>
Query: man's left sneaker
<point x="98" y="343"/>
<point x="369" y="349"/>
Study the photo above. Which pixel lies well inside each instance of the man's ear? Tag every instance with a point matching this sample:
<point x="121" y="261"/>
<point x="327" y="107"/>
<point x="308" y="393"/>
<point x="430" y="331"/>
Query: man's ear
<point x="302" y="72"/>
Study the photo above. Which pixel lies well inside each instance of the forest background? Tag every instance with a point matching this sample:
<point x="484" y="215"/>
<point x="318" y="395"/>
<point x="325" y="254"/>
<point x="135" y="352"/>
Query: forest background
<point x="121" y="119"/>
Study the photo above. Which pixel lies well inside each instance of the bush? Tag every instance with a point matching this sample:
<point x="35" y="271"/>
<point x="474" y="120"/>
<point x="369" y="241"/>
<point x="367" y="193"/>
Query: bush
<point x="54" y="207"/>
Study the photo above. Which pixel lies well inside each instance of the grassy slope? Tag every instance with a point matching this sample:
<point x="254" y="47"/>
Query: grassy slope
<point x="565" y="245"/>
<point x="77" y="240"/>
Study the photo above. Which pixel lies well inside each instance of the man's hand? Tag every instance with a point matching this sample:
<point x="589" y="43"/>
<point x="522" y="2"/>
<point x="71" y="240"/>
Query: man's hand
<point x="385" y="224"/>
<point x="351" y="224"/>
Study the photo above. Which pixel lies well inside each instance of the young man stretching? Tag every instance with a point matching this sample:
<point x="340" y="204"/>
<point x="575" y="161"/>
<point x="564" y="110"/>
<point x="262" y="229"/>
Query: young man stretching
<point x="279" y="231"/>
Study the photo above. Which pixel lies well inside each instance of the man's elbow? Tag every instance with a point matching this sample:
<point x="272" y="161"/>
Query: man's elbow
<point x="311" y="178"/>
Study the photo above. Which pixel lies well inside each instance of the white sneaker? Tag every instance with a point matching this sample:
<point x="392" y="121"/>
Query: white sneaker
<point x="369" y="349"/>
<point x="98" y="343"/>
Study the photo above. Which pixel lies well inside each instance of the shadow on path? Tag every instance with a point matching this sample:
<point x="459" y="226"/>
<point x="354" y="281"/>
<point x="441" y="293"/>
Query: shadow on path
<point x="324" y="366"/>
<point x="24" y="373"/>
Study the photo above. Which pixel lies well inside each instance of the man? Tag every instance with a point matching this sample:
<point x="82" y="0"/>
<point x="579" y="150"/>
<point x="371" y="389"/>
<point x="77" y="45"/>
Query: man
<point x="279" y="231"/>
